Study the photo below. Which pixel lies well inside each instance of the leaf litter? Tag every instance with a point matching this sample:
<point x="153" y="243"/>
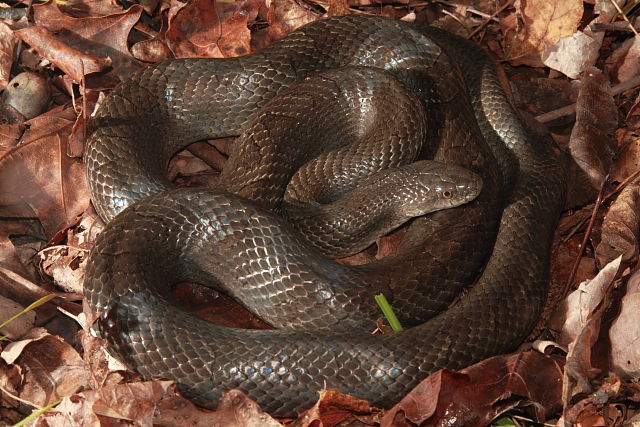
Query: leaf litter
<point x="561" y="60"/>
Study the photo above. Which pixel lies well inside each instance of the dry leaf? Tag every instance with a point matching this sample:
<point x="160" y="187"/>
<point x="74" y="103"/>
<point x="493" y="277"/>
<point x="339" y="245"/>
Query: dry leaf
<point x="52" y="368"/>
<point x="334" y="408"/>
<point x="476" y="395"/>
<point x="8" y="41"/>
<point x="104" y="36"/>
<point x="577" y="323"/>
<point x="573" y="54"/>
<point x="234" y="410"/>
<point x="72" y="62"/>
<point x="544" y="22"/>
<point x="38" y="179"/>
<point x="592" y="145"/>
<point x="18" y="326"/>
<point x="621" y="227"/>
<point x="625" y="334"/>
<point x="136" y="401"/>
<point x="625" y="60"/>
<point x="156" y="48"/>
<point x="210" y="29"/>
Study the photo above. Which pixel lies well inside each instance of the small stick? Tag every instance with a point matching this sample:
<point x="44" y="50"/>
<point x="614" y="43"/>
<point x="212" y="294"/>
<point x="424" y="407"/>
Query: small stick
<point x="587" y="233"/>
<point x="570" y="109"/>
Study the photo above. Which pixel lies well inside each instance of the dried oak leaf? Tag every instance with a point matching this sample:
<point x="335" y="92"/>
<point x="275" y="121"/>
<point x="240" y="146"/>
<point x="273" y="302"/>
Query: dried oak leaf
<point x="621" y="227"/>
<point x="154" y="49"/>
<point x="211" y="29"/>
<point x="476" y="395"/>
<point x="283" y="17"/>
<point x="19" y="326"/>
<point x="624" y="62"/>
<point x="592" y="145"/>
<point x="8" y="41"/>
<point x="335" y="408"/>
<point x="103" y="36"/>
<point x="52" y="368"/>
<point x="73" y="62"/>
<point x="576" y="53"/>
<point x="235" y="409"/>
<point x="577" y="323"/>
<point x="39" y="180"/>
<point x="132" y="402"/>
<point x="544" y="22"/>
<point x="624" y="333"/>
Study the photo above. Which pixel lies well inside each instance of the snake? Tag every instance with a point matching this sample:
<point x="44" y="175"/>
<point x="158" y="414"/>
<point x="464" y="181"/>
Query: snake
<point x="469" y="282"/>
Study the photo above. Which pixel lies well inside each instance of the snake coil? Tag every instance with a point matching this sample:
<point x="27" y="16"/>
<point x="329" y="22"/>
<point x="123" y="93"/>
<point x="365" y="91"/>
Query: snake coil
<point x="213" y="236"/>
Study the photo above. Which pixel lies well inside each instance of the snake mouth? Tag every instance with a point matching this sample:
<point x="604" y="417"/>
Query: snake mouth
<point x="472" y="189"/>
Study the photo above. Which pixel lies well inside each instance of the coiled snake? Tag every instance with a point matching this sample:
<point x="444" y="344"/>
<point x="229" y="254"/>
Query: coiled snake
<point x="163" y="240"/>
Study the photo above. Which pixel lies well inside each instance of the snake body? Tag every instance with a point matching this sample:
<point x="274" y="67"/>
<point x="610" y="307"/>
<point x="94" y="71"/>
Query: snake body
<point x="217" y="236"/>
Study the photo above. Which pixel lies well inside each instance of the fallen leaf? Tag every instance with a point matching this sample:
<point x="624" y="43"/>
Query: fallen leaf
<point x="283" y="17"/>
<point x="52" y="368"/>
<point x="72" y="62"/>
<point x="476" y="395"/>
<point x="154" y="49"/>
<point x="210" y="29"/>
<point x="18" y="326"/>
<point x="625" y="60"/>
<point x="8" y="41"/>
<point x="38" y="179"/>
<point x="621" y="227"/>
<point x="544" y="22"/>
<point x="592" y="145"/>
<point x="624" y="333"/>
<point x="135" y="401"/>
<point x="103" y="36"/>
<point x="574" y="54"/>
<point x="335" y="408"/>
<point x="234" y="410"/>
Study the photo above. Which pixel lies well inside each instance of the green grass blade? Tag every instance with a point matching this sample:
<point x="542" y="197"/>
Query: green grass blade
<point x="388" y="313"/>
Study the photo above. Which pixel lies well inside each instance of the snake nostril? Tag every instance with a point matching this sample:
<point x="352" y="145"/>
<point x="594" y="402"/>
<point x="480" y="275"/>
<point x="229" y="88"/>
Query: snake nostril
<point x="446" y="194"/>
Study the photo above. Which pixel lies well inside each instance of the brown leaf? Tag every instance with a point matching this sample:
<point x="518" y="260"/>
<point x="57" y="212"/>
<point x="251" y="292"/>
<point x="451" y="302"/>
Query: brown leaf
<point x="52" y="368"/>
<point x="8" y="41"/>
<point x="476" y="395"/>
<point x="577" y="322"/>
<point x="625" y="60"/>
<point x="211" y="29"/>
<point x="592" y="144"/>
<point x="234" y="410"/>
<point x="333" y="408"/>
<point x="39" y="180"/>
<point x="625" y="334"/>
<point x="73" y="62"/>
<point x="286" y="16"/>
<point x="104" y="36"/>
<point x="543" y="23"/>
<point x="135" y="401"/>
<point x="154" y="49"/>
<point x="18" y="326"/>
<point x="621" y="227"/>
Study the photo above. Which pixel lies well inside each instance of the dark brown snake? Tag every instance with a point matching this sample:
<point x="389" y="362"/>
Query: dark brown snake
<point x="213" y="237"/>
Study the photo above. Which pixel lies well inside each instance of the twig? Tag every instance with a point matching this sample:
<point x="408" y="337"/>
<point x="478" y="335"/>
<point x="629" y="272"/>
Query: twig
<point x="493" y="15"/>
<point x="587" y="233"/>
<point x="605" y="199"/>
<point x="624" y="16"/>
<point x="570" y="109"/>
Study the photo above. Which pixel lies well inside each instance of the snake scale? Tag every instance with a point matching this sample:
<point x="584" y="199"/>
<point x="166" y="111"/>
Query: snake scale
<point x="217" y="237"/>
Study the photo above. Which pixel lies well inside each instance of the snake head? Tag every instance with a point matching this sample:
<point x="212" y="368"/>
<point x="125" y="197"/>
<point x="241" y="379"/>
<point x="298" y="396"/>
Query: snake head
<point x="431" y="186"/>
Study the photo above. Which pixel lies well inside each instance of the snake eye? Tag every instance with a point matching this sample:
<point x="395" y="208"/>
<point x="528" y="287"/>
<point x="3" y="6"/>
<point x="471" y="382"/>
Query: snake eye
<point x="446" y="194"/>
